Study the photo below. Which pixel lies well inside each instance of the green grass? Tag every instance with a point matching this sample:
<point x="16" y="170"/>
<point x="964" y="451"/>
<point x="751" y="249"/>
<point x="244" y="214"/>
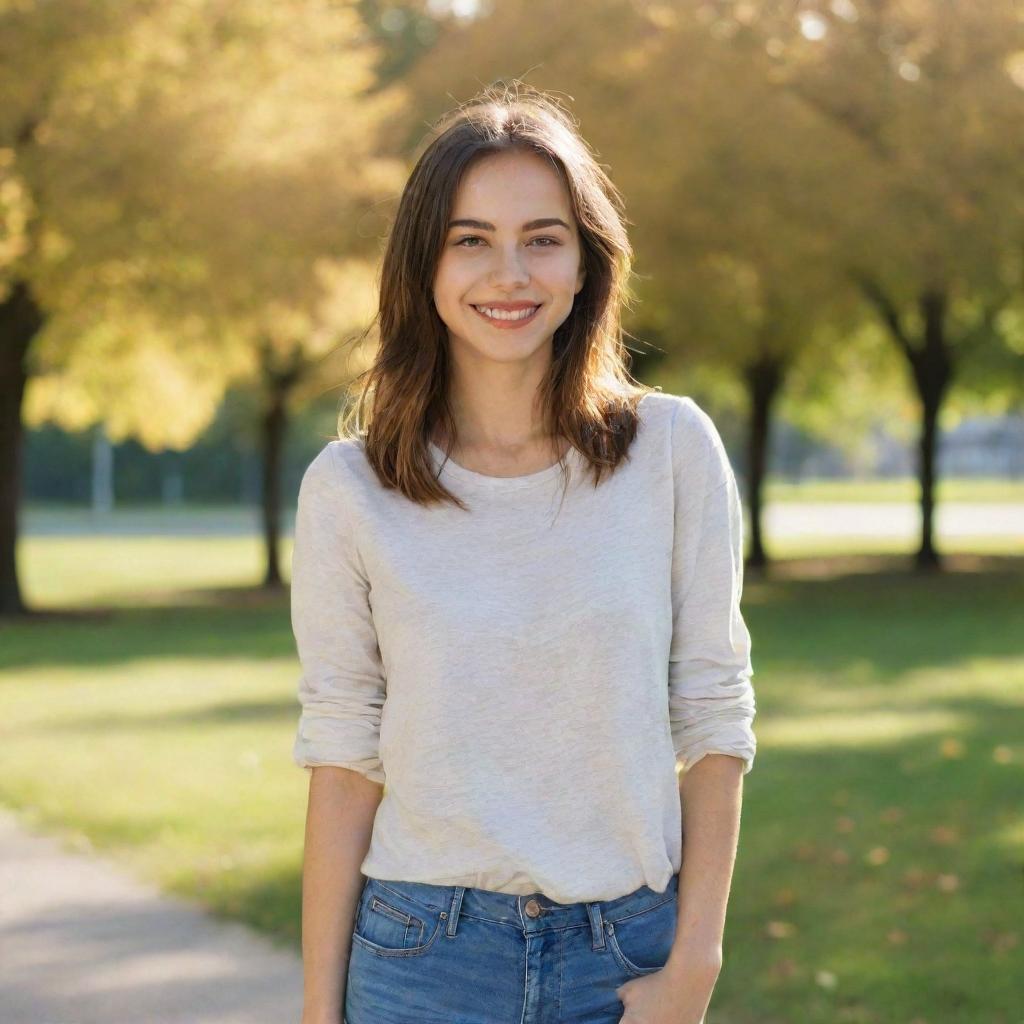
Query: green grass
<point x="883" y="829"/>
<point x="881" y="862"/>
<point x="901" y="490"/>
<point x="128" y="572"/>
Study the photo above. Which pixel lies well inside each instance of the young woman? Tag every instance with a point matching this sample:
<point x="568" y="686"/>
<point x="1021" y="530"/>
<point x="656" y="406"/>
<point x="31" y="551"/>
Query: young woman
<point x="516" y="601"/>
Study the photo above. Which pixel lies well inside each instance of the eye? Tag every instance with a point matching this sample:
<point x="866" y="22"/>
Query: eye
<point x="476" y="238"/>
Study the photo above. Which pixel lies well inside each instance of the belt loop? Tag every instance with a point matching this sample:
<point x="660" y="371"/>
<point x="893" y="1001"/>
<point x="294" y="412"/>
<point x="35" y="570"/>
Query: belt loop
<point x="596" y="924"/>
<point x="456" y="907"/>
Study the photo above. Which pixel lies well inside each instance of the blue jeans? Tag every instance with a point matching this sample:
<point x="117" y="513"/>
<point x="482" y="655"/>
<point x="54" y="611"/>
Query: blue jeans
<point x="439" y="954"/>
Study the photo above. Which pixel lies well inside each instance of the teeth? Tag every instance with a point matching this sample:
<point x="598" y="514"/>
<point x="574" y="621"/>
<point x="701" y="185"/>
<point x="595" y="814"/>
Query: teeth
<point x="504" y="314"/>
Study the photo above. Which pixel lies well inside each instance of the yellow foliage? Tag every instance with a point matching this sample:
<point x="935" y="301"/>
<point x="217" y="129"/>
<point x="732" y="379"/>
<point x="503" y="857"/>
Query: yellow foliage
<point x="195" y="167"/>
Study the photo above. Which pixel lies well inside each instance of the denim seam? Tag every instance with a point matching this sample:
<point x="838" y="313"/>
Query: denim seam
<point x="405" y="896"/>
<point x="646" y="910"/>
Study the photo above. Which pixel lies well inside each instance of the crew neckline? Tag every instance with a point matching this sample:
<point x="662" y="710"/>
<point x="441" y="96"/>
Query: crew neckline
<point x="450" y="468"/>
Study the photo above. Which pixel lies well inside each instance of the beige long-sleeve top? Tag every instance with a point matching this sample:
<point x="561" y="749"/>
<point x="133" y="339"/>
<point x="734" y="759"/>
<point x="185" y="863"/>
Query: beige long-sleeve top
<point x="527" y="679"/>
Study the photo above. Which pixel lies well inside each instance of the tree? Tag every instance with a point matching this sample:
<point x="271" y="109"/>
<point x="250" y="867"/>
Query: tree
<point x="183" y="185"/>
<point x="931" y="93"/>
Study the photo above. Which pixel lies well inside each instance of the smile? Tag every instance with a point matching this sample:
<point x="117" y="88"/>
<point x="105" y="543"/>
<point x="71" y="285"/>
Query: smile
<point x="507" y="319"/>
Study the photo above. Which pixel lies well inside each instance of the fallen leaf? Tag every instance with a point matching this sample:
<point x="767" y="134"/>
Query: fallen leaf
<point x="783" y="969"/>
<point x="845" y="824"/>
<point x="948" y="883"/>
<point x="914" y="877"/>
<point x="951" y="747"/>
<point x="877" y="855"/>
<point x="780" y="929"/>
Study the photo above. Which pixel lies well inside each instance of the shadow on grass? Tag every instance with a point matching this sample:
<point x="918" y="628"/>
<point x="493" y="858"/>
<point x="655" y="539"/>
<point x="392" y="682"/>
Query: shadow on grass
<point x="205" y="624"/>
<point x="898" y="619"/>
<point x="861" y="607"/>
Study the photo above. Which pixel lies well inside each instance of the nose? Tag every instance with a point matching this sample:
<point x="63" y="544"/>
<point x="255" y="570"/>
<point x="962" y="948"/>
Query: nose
<point x="509" y="268"/>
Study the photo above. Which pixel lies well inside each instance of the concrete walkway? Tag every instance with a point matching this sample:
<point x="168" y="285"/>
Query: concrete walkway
<point x="81" y="943"/>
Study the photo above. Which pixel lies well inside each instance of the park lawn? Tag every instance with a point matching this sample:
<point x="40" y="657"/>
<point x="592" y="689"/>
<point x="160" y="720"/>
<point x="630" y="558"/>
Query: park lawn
<point x="904" y="489"/>
<point x="879" y="871"/>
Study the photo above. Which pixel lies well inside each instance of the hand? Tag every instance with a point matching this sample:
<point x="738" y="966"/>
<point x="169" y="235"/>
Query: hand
<point x="677" y="994"/>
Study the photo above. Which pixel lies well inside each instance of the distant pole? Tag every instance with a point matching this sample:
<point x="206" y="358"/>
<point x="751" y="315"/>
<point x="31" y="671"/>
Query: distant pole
<point x="102" y="471"/>
<point x="172" y="479"/>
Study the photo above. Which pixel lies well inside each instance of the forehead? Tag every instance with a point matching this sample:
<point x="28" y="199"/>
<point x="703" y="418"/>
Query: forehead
<point x="512" y="187"/>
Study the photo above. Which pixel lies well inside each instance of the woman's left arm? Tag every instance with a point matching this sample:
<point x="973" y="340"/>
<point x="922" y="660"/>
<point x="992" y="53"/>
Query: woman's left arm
<point x="711" y="794"/>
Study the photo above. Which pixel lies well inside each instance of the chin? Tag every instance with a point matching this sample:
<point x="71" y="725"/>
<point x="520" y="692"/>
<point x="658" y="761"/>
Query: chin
<point x="497" y="353"/>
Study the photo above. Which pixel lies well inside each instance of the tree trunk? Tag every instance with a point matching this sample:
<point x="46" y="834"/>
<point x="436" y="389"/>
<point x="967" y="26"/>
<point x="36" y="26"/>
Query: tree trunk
<point x="20" y="321"/>
<point x="763" y="380"/>
<point x="932" y="368"/>
<point x="933" y="372"/>
<point x="275" y="425"/>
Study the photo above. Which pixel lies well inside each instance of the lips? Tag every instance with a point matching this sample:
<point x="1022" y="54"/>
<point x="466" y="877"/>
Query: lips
<point x="510" y="323"/>
<point x="506" y="307"/>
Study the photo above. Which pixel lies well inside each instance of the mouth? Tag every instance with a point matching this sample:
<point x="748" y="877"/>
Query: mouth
<point x="509" y="320"/>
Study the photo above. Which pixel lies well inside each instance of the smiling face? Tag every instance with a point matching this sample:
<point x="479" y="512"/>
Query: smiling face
<point x="512" y="244"/>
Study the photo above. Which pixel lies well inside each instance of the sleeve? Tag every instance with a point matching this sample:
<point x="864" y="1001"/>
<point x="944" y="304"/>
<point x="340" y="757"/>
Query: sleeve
<point x="711" y="699"/>
<point x="342" y="686"/>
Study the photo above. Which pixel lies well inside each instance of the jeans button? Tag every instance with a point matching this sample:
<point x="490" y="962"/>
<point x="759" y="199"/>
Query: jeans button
<point x="532" y="909"/>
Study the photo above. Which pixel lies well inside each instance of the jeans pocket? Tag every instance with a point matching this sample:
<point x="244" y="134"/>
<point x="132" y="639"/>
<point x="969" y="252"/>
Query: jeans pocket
<point x="642" y="942"/>
<point x="389" y="923"/>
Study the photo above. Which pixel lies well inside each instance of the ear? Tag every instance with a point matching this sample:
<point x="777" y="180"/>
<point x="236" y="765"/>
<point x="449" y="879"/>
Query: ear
<point x="580" y="277"/>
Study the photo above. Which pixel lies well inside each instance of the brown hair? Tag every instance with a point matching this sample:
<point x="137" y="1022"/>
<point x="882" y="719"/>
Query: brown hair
<point x="588" y="395"/>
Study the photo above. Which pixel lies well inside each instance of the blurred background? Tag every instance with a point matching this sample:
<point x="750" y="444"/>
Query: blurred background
<point x="826" y="199"/>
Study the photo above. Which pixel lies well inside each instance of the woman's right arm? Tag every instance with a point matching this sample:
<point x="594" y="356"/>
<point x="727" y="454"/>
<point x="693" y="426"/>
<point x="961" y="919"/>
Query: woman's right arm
<point x="339" y="822"/>
<point x="342" y="691"/>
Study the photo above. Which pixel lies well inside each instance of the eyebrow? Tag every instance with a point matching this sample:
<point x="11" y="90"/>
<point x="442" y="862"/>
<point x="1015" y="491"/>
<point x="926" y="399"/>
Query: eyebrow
<point x="530" y="225"/>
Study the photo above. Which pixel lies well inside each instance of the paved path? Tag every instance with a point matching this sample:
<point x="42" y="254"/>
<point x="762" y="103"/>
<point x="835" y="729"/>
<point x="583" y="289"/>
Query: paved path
<point x="81" y="943"/>
<point x="878" y="519"/>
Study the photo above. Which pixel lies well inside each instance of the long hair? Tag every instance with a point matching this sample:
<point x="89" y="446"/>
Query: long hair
<point x="587" y="396"/>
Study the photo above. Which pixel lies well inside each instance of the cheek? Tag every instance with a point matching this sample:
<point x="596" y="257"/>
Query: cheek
<point x="561" y="274"/>
<point x="450" y="282"/>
